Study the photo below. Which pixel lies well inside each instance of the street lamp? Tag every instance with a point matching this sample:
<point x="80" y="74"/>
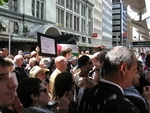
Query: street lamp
<point x="9" y="36"/>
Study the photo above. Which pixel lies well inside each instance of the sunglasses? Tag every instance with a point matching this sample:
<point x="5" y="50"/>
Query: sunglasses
<point x="45" y="90"/>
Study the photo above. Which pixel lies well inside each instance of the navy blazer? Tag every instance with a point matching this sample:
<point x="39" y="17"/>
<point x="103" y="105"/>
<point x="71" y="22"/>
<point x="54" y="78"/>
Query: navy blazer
<point x="106" y="98"/>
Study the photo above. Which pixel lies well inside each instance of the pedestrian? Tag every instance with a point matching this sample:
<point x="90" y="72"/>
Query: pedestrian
<point x="7" y="86"/>
<point x="120" y="66"/>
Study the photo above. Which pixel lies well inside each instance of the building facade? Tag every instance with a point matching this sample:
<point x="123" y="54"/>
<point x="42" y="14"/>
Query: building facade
<point x="107" y="23"/>
<point x="119" y="23"/>
<point x="21" y="20"/>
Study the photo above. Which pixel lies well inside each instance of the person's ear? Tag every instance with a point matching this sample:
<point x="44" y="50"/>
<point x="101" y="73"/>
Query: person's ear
<point x="34" y="96"/>
<point x="123" y="67"/>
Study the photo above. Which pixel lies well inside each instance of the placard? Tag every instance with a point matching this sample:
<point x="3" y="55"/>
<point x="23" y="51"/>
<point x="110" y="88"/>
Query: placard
<point x="47" y="45"/>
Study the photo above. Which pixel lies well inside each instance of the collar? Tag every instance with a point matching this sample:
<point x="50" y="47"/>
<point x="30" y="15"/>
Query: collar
<point x="112" y="83"/>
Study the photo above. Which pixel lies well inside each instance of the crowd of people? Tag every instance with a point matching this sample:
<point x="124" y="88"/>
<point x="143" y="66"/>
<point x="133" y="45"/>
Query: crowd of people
<point x="115" y="81"/>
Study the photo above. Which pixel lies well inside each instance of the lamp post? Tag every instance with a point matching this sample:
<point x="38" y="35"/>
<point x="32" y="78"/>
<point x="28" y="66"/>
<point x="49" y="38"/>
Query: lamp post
<point x="9" y="38"/>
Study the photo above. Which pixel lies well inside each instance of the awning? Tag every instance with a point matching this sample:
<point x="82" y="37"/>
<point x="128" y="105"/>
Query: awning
<point x="44" y="29"/>
<point x="136" y="5"/>
<point x="23" y="39"/>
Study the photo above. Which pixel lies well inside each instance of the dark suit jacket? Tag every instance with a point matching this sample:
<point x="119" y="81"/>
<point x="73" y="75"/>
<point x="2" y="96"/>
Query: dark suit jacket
<point x="20" y="73"/>
<point x="106" y="98"/>
<point x="138" y="103"/>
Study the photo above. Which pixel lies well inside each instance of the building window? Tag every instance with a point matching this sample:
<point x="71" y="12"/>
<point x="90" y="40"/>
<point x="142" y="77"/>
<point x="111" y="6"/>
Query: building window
<point x="14" y="27"/>
<point x="83" y="10"/>
<point x="59" y="17"/>
<point x="89" y="13"/>
<point x="68" y="20"/>
<point x="61" y="2"/>
<point x="83" y="39"/>
<point x="89" y="27"/>
<point x="116" y="22"/>
<point x="89" y="41"/>
<point x="12" y="5"/>
<point x="69" y="4"/>
<point x="76" y="6"/>
<point x="76" y="23"/>
<point x="83" y="25"/>
<point x="62" y="18"/>
<point x="38" y="7"/>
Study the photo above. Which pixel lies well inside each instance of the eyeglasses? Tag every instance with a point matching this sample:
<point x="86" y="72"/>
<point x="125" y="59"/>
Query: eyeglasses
<point x="45" y="90"/>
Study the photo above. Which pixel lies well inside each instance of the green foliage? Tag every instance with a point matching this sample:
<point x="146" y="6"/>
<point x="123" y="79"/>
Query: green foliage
<point x="2" y="28"/>
<point x="25" y="29"/>
<point x="2" y="2"/>
<point x="5" y="1"/>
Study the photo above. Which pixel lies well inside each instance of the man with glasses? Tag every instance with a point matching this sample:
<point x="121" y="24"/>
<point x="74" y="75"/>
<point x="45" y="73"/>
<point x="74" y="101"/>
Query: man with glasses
<point x="34" y="97"/>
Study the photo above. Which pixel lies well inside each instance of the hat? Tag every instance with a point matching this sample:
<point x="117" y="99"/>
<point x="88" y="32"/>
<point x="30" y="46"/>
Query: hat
<point x="35" y="70"/>
<point x="82" y="61"/>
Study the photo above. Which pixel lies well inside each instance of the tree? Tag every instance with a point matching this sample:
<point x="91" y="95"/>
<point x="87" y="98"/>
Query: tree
<point x="2" y="2"/>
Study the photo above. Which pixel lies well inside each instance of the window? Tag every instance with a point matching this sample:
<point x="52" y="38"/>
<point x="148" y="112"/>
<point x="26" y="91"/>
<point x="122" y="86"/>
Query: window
<point x="38" y="7"/>
<point x="61" y="2"/>
<point x="116" y="16"/>
<point x="89" y="27"/>
<point x="83" y="10"/>
<point x="115" y="11"/>
<point x="69" y="4"/>
<point x="83" y="39"/>
<point x="12" y="5"/>
<point x="14" y="27"/>
<point x="76" y="23"/>
<point x="76" y="7"/>
<point x="68" y="20"/>
<point x="116" y="27"/>
<point x="60" y="17"/>
<point x="89" y="13"/>
<point x="116" y="22"/>
<point x="89" y="40"/>
<point x="83" y="25"/>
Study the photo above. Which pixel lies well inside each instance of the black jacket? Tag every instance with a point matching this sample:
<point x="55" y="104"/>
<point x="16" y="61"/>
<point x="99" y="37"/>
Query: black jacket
<point x="106" y="98"/>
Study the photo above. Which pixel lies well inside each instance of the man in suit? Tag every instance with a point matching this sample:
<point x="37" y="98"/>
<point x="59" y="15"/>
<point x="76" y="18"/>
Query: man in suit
<point x="120" y="66"/>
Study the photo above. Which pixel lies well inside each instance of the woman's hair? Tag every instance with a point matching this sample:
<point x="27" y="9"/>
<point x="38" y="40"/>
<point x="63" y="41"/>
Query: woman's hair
<point x="63" y="82"/>
<point x="26" y="87"/>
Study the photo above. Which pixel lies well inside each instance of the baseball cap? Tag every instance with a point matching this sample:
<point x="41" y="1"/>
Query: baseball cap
<point x="36" y="70"/>
<point x="82" y="61"/>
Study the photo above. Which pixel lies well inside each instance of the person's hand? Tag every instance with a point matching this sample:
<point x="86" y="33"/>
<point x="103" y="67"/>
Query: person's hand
<point x="17" y="105"/>
<point x="37" y="49"/>
<point x="63" y="103"/>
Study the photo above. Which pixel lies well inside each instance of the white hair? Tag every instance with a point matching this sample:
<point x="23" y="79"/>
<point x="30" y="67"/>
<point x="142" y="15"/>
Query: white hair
<point x="17" y="57"/>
